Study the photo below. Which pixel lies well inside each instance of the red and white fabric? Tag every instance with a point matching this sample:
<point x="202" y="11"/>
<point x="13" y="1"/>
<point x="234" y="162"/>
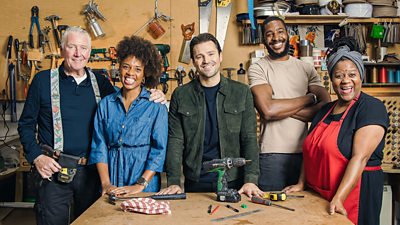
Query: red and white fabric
<point x="146" y="206"/>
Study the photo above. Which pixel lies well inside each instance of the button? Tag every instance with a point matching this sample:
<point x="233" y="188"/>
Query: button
<point x="235" y="111"/>
<point x="120" y="140"/>
<point x="187" y="113"/>
<point x="123" y="126"/>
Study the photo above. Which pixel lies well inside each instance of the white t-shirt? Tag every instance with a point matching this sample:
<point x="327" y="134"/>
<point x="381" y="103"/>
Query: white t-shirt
<point x="288" y="79"/>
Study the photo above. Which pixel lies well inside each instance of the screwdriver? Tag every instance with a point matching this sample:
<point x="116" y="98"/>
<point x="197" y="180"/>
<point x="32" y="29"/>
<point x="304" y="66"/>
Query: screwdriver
<point x="268" y="203"/>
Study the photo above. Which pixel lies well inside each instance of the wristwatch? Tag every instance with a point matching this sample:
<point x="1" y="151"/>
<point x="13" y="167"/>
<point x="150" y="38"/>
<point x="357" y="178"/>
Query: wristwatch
<point x="142" y="181"/>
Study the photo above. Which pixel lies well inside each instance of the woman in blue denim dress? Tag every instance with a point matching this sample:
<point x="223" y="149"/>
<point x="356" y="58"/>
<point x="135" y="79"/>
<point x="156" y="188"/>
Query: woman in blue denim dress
<point x="130" y="131"/>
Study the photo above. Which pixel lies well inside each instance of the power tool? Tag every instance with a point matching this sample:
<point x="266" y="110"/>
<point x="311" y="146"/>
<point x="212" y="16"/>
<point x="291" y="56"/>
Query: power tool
<point x="164" y="50"/>
<point x="225" y="194"/>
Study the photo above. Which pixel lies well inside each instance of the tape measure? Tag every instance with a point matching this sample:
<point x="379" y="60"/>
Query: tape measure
<point x="275" y="196"/>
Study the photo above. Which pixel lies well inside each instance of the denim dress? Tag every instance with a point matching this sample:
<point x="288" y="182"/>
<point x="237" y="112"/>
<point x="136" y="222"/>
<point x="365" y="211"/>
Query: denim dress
<point x="130" y="142"/>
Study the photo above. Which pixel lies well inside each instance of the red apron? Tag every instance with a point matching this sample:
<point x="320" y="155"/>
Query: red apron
<point x="324" y="164"/>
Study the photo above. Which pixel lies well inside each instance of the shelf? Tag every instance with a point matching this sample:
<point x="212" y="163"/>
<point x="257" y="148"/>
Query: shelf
<point x="327" y="19"/>
<point x="381" y="84"/>
<point x="381" y="64"/>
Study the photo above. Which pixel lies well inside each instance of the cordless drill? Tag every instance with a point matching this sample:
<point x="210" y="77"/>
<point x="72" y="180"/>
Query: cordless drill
<point x="225" y="194"/>
<point x="164" y="50"/>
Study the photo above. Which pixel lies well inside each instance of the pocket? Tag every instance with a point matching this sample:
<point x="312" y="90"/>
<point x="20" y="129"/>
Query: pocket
<point x="233" y="113"/>
<point x="68" y="161"/>
<point x="139" y="131"/>
<point x="190" y="119"/>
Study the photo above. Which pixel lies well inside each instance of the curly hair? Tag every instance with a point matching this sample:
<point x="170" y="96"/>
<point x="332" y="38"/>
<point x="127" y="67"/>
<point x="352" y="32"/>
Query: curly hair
<point x="144" y="51"/>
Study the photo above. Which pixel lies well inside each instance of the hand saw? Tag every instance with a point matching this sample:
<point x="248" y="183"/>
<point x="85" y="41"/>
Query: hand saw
<point x="187" y="32"/>
<point x="223" y="13"/>
<point x="204" y="15"/>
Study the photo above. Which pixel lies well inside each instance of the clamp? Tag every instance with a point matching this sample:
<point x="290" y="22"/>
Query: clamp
<point x="35" y="20"/>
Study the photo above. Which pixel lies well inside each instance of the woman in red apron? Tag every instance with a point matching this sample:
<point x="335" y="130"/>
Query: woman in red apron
<point x="342" y="153"/>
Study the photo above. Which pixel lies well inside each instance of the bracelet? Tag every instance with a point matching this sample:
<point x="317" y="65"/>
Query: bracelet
<point x="315" y="99"/>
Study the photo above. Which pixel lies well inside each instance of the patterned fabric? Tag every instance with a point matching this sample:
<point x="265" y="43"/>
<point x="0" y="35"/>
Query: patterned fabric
<point x="146" y="206"/>
<point x="55" y="105"/>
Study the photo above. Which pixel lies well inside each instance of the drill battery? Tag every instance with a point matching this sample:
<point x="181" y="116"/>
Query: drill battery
<point x="230" y="195"/>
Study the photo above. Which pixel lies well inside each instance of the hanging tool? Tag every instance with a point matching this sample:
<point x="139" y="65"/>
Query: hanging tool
<point x="13" y="92"/>
<point x="154" y="20"/>
<point x="17" y="58"/>
<point x="192" y="73"/>
<point x="223" y="13"/>
<point x="236" y="216"/>
<point x="61" y="29"/>
<point x="164" y="50"/>
<point x="114" y="72"/>
<point x="112" y="198"/>
<point x="205" y="15"/>
<point x="8" y="55"/>
<point x="35" y="21"/>
<point x="229" y="72"/>
<point x="225" y="194"/>
<point x="91" y="11"/>
<point x="180" y="73"/>
<point x="46" y="31"/>
<point x="187" y="32"/>
<point x="53" y="19"/>
<point x="268" y="203"/>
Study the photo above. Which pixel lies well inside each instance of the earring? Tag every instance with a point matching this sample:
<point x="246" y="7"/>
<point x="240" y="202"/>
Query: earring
<point x="144" y="81"/>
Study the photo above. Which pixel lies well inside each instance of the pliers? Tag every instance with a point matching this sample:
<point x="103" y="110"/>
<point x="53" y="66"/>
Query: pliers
<point x="35" y="20"/>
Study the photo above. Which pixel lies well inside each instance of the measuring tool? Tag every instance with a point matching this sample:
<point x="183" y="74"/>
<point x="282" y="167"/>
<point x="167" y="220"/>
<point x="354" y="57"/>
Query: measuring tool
<point x="205" y="15"/>
<point x="279" y="196"/>
<point x="223" y="13"/>
<point x="268" y="203"/>
<point x="236" y="216"/>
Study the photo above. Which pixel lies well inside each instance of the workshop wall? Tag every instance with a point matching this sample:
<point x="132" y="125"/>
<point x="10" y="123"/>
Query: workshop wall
<point x="123" y="18"/>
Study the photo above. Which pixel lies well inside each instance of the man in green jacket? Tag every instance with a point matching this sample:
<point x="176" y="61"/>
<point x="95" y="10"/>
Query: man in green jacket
<point x="211" y="118"/>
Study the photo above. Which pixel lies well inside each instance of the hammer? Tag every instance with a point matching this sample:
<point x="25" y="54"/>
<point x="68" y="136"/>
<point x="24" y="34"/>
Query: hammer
<point x="53" y="19"/>
<point x="61" y="29"/>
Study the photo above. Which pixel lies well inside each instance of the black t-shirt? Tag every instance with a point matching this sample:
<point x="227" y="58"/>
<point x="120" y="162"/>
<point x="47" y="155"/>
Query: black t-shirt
<point x="211" y="139"/>
<point x="366" y="111"/>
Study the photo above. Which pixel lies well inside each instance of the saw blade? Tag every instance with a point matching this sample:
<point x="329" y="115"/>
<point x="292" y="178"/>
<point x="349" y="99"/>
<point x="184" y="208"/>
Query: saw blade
<point x="236" y="216"/>
<point x="205" y="15"/>
<point x="223" y="13"/>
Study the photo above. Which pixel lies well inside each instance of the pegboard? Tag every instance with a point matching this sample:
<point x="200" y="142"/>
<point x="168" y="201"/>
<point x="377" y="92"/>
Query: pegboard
<point x="391" y="153"/>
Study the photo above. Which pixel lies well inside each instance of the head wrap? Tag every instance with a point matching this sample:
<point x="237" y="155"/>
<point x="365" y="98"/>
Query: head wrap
<point x="344" y="52"/>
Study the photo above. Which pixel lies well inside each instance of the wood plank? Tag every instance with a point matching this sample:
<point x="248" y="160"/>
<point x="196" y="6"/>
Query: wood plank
<point x="309" y="210"/>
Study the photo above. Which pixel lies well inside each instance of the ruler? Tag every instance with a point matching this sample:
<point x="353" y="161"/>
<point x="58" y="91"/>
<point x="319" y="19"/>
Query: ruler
<point x="236" y="216"/>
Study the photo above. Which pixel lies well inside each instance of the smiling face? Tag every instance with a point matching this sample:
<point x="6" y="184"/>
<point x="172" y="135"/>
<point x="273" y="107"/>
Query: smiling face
<point x="132" y="73"/>
<point x="346" y="81"/>
<point x="76" y="53"/>
<point x="207" y="61"/>
<point x="276" y="40"/>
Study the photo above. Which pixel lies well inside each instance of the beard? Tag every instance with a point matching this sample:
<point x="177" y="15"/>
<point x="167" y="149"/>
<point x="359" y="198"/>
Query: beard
<point x="275" y="55"/>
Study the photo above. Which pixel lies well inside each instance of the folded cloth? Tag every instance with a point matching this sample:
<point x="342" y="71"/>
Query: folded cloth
<point x="146" y="206"/>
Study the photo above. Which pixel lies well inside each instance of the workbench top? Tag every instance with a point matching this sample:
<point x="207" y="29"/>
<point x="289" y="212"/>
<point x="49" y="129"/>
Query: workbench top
<point x="310" y="210"/>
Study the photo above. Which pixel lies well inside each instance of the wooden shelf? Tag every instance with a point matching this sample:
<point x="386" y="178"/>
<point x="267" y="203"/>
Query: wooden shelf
<point x="328" y="19"/>
<point x="381" y="64"/>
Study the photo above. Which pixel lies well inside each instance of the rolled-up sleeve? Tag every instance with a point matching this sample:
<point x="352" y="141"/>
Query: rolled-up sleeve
<point x="158" y="143"/>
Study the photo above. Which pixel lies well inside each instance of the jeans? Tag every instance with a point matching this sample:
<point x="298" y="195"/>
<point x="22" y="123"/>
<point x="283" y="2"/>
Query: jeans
<point x="57" y="202"/>
<point x="278" y="170"/>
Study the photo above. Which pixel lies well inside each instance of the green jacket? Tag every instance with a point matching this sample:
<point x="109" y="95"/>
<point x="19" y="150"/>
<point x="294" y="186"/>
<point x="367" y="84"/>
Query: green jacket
<point x="236" y="124"/>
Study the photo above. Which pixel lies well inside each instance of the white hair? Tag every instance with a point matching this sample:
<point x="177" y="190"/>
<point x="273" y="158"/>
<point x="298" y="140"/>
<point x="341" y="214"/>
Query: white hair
<point x="74" y="29"/>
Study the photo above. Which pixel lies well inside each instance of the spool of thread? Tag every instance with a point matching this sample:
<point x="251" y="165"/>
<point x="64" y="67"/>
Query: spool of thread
<point x="374" y="75"/>
<point x="398" y="76"/>
<point x="156" y="30"/>
<point x="383" y="75"/>
<point x="317" y="57"/>
<point x="390" y="76"/>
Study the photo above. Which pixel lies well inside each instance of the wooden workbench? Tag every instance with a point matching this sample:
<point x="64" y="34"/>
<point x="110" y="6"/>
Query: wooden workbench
<point x="310" y="210"/>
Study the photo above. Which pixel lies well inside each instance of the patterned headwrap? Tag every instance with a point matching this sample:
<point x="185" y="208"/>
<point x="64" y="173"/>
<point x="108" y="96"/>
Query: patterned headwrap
<point x="344" y="52"/>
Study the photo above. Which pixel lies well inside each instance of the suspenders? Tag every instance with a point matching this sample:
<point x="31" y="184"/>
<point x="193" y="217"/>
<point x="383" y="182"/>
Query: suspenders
<point x="55" y="105"/>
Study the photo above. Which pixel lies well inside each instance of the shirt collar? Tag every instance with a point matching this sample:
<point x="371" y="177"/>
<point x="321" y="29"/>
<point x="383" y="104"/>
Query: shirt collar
<point x="143" y="94"/>
<point x="64" y="76"/>
<point x="223" y="83"/>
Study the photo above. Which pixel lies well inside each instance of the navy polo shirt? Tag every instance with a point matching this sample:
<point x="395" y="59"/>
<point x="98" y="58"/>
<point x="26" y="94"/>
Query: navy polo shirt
<point x="78" y="106"/>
